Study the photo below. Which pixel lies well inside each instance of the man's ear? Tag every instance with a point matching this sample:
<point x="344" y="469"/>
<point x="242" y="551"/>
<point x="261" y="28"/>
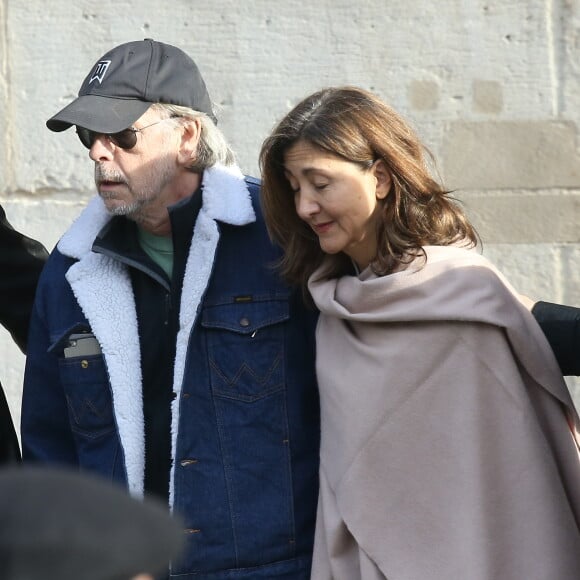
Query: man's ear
<point x="190" y="136"/>
<point x="383" y="177"/>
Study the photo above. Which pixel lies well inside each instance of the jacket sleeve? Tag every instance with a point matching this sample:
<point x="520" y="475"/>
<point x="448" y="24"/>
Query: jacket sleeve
<point x="21" y="261"/>
<point x="45" y="425"/>
<point x="561" y="325"/>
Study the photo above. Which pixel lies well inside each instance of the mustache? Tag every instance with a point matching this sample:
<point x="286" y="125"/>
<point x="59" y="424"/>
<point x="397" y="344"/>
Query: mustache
<point x="104" y="174"/>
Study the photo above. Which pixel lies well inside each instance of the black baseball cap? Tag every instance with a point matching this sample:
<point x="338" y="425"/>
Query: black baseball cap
<point x="127" y="80"/>
<point x="59" y="524"/>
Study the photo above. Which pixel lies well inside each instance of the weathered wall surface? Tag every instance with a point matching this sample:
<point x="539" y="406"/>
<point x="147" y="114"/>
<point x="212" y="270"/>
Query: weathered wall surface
<point x="492" y="87"/>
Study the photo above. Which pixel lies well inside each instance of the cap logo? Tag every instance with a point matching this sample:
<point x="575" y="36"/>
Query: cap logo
<point x="100" y="71"/>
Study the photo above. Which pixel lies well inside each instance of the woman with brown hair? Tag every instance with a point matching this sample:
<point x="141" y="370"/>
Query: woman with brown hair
<point x="449" y="440"/>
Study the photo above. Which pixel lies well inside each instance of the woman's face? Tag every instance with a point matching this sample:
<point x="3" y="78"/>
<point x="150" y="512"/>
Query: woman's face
<point x="337" y="199"/>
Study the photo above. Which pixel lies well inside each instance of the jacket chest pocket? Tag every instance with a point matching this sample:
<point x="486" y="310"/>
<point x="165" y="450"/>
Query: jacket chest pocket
<point x="88" y="395"/>
<point x="245" y="343"/>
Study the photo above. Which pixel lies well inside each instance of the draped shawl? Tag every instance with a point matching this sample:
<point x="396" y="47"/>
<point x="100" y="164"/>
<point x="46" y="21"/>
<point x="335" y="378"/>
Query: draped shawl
<point x="449" y="439"/>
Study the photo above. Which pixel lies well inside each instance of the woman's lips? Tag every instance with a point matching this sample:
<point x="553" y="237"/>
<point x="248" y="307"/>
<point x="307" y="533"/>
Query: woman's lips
<point x="322" y="228"/>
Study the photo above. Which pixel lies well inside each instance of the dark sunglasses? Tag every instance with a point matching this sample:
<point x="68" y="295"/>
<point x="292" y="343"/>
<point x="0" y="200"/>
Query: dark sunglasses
<point x="125" y="139"/>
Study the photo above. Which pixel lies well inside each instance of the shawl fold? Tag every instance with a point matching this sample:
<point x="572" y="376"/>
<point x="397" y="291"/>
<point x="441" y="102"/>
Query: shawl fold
<point x="450" y="445"/>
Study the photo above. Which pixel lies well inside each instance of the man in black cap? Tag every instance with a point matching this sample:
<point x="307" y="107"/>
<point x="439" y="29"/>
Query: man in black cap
<point x="60" y="525"/>
<point x="21" y="261"/>
<point x="165" y="352"/>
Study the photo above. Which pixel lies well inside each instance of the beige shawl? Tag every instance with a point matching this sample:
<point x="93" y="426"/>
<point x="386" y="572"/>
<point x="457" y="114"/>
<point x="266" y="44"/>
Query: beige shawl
<point x="447" y="451"/>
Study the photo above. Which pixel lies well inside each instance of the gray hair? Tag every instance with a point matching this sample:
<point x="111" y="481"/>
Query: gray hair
<point x="213" y="147"/>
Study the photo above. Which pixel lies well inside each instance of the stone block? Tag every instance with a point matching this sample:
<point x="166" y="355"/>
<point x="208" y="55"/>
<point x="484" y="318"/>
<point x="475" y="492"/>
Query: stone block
<point x="524" y="217"/>
<point x="511" y="155"/>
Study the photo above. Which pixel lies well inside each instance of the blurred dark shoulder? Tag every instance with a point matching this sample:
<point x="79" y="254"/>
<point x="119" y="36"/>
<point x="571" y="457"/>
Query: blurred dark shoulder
<point x="21" y="262"/>
<point x="561" y="325"/>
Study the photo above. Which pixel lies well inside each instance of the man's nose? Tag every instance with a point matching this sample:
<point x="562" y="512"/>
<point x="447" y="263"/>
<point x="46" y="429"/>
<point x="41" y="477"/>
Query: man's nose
<point x="101" y="149"/>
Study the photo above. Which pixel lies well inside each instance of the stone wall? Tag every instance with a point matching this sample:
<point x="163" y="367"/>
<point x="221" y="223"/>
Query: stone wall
<point x="492" y="87"/>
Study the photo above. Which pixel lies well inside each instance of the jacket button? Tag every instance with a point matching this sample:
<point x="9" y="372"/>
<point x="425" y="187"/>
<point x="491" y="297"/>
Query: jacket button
<point x="244" y="321"/>
<point x="85" y="364"/>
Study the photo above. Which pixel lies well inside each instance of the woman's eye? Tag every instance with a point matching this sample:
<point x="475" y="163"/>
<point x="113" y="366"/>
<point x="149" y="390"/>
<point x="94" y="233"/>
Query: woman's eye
<point x="294" y="188"/>
<point x="320" y="186"/>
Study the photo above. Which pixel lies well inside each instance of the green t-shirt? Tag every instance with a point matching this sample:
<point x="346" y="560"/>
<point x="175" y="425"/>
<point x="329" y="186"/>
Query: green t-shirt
<point x="158" y="248"/>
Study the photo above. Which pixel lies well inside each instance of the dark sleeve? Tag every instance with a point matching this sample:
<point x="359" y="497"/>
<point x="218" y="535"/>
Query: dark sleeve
<point x="45" y="424"/>
<point x="21" y="261"/>
<point x="561" y="325"/>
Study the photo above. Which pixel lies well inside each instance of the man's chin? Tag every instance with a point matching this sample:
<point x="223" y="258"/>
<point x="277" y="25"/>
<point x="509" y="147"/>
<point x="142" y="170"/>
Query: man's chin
<point x="117" y="207"/>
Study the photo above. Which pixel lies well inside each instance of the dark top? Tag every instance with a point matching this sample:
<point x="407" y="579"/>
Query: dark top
<point x="21" y="261"/>
<point x="561" y="325"/>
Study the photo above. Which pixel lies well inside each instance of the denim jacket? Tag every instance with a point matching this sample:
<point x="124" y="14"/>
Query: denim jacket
<point x="245" y="417"/>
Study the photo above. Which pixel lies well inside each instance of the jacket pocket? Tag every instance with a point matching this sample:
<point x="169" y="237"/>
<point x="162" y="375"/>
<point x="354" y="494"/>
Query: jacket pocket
<point x="245" y="344"/>
<point x="88" y="396"/>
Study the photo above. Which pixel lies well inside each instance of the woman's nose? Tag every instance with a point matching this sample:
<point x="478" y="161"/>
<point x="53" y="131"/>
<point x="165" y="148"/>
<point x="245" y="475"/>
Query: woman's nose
<point x="306" y="206"/>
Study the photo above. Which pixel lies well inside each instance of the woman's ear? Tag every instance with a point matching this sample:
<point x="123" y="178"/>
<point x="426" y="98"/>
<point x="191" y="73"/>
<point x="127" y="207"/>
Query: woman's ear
<point x="190" y="135"/>
<point x="383" y="177"/>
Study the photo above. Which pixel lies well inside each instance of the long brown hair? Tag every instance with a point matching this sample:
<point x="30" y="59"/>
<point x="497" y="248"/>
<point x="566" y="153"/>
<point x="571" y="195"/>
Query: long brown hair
<point x="357" y="126"/>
